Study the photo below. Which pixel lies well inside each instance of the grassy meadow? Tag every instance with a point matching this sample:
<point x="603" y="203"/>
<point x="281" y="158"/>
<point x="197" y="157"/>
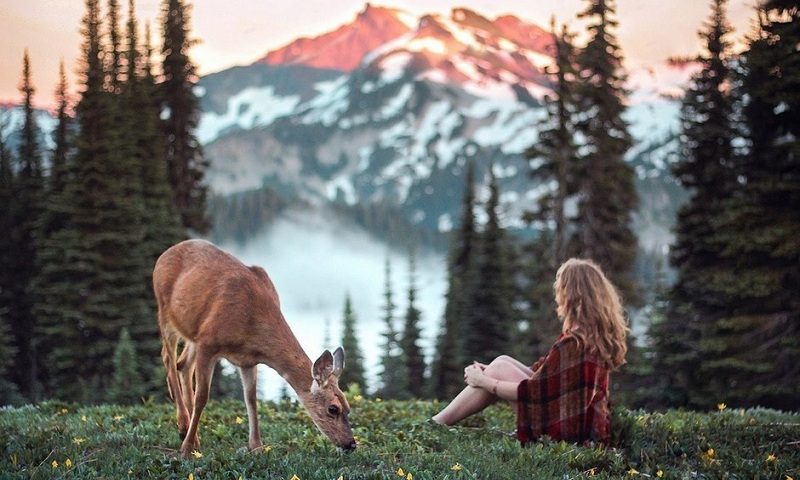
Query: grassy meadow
<point x="56" y="440"/>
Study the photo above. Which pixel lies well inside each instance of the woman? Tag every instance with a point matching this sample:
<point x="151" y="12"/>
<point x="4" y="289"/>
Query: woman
<point x="565" y="394"/>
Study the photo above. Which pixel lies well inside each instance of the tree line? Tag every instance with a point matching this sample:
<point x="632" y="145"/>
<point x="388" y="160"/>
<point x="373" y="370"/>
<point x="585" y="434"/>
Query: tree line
<point x="728" y="328"/>
<point x="85" y="222"/>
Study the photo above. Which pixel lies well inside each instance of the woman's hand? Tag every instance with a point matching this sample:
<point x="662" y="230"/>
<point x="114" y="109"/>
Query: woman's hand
<point x="474" y="376"/>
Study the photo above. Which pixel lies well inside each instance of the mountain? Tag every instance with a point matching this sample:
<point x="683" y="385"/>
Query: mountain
<point x="387" y="110"/>
<point x="344" y="48"/>
<point x="11" y="118"/>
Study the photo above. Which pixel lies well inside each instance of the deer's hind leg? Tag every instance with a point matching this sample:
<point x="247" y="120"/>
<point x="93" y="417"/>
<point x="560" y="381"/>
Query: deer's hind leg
<point x="186" y="367"/>
<point x="169" y="345"/>
<point x="204" y="371"/>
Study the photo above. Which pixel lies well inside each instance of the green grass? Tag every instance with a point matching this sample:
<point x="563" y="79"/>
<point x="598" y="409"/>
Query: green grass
<point x="141" y="442"/>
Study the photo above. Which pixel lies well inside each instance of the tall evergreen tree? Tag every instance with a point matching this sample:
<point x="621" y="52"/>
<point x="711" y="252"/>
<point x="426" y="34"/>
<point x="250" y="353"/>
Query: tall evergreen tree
<point x="448" y="362"/>
<point x="8" y="389"/>
<point x="354" y="369"/>
<point x="115" y="54"/>
<point x="409" y="341"/>
<point x="394" y="375"/>
<point x="55" y="214"/>
<point x="554" y="160"/>
<point x="27" y="192"/>
<point x="126" y="384"/>
<point x="755" y="339"/>
<point x="607" y="195"/>
<point x="183" y="151"/>
<point x="706" y="169"/>
<point x="490" y="333"/>
<point x="160" y="221"/>
<point x="554" y="156"/>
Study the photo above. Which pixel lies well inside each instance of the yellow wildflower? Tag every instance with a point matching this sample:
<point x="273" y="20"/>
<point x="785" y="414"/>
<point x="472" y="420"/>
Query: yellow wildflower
<point x="457" y="467"/>
<point x="64" y="411"/>
<point x="197" y="454"/>
<point x="54" y="464"/>
<point x="118" y="417"/>
<point x="83" y="418"/>
<point x="409" y="476"/>
<point x="660" y="473"/>
<point x="633" y="472"/>
<point x="341" y="477"/>
<point x="788" y="478"/>
<point x="358" y="398"/>
<point x="710" y="453"/>
<point x="591" y="471"/>
<point x="78" y="440"/>
<point x="68" y="463"/>
<point x="771" y="458"/>
<point x="267" y="448"/>
<point x="294" y="477"/>
<point x="191" y="476"/>
<point x="721" y="406"/>
<point x="400" y="472"/>
<point x="239" y="421"/>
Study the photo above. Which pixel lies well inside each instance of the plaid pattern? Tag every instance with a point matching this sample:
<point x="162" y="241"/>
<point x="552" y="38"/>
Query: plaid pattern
<point x="566" y="398"/>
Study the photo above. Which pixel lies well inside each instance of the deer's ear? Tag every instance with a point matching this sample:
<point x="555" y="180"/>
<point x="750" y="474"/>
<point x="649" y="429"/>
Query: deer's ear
<point x="338" y="361"/>
<point x="322" y="368"/>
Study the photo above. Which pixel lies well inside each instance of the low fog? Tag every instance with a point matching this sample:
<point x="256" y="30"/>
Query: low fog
<point x="315" y="259"/>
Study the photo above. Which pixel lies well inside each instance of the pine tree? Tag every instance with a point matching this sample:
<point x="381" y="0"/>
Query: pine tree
<point x="607" y="195"/>
<point x="126" y="385"/>
<point x="183" y="151"/>
<point x="161" y="224"/>
<point x="755" y="339"/>
<point x="409" y="341"/>
<point x="490" y="334"/>
<point x="554" y="160"/>
<point x="27" y="193"/>
<point x="8" y="389"/>
<point x="706" y="169"/>
<point x="394" y="376"/>
<point x="449" y="359"/>
<point x="354" y="363"/>
<point x="55" y="214"/>
<point x="115" y="54"/>
<point x="554" y="157"/>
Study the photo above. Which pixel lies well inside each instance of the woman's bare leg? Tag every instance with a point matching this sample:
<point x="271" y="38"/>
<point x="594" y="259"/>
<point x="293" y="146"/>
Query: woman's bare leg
<point x="472" y="400"/>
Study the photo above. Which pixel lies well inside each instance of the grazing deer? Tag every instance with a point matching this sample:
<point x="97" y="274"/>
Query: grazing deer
<point x="221" y="308"/>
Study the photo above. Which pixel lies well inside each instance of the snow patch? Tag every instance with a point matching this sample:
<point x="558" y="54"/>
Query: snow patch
<point x="253" y="106"/>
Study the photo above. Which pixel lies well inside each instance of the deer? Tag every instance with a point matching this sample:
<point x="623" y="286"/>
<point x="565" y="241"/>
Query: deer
<point x="220" y="308"/>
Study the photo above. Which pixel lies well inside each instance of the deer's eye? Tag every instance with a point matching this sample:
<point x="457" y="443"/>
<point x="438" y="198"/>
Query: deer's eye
<point x="333" y="410"/>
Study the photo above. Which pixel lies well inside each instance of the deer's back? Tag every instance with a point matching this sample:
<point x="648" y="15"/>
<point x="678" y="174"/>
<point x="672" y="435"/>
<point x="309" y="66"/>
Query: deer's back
<point x="202" y="290"/>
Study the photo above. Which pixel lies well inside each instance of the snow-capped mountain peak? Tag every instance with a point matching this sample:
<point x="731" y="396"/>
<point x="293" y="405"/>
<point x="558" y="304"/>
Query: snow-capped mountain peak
<point x="344" y="48"/>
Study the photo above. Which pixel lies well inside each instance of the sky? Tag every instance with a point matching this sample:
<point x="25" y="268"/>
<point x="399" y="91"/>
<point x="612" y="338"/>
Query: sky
<point x="237" y="32"/>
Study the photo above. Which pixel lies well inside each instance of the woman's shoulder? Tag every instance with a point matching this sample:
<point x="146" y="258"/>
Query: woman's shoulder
<point x="570" y="345"/>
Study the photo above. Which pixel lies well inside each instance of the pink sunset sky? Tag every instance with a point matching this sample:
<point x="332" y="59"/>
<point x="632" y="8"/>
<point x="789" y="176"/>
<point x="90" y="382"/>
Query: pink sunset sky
<point x="237" y="32"/>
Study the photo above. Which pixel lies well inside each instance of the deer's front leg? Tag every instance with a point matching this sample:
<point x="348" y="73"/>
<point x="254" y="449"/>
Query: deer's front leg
<point x="249" y="377"/>
<point x="204" y="370"/>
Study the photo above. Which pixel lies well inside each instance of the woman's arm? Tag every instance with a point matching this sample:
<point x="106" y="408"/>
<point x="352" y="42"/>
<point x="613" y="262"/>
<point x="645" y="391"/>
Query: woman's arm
<point x="503" y="389"/>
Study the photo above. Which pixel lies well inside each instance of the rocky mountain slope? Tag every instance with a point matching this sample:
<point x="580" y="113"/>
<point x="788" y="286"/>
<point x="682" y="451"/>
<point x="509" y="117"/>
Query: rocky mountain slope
<point x="389" y="108"/>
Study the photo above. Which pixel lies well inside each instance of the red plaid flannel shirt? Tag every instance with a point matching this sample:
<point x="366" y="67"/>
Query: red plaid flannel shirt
<point x="566" y="398"/>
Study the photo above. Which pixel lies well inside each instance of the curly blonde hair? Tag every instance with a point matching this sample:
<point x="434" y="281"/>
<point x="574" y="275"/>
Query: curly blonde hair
<point x="591" y="310"/>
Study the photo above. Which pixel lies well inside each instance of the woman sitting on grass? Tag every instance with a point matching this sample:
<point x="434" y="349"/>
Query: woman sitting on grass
<point x="565" y="394"/>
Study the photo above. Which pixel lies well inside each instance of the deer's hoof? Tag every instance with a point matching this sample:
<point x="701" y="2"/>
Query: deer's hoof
<point x="254" y="445"/>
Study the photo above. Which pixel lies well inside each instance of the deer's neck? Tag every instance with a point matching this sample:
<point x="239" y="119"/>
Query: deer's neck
<point x="290" y="361"/>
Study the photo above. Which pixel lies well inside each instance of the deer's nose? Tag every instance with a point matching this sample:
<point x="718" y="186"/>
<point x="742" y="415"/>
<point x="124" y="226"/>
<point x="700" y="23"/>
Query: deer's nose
<point x="350" y="447"/>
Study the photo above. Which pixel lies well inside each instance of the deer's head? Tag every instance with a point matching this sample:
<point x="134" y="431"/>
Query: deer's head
<point x="327" y="405"/>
